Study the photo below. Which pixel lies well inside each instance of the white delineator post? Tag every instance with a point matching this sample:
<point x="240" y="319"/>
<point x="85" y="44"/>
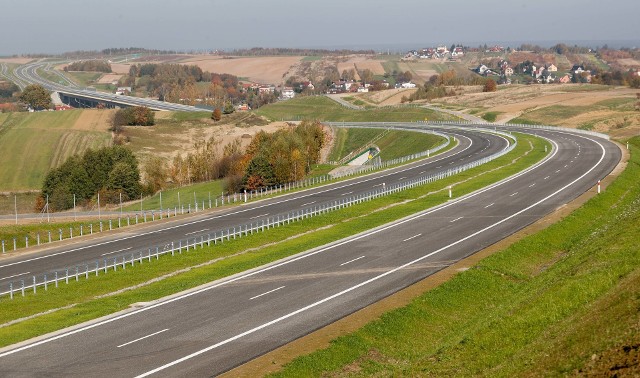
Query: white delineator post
<point x="450" y="194"/>
<point x="598" y="186"/>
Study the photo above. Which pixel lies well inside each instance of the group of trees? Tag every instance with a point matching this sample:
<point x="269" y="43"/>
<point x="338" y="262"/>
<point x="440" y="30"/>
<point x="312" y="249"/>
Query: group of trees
<point x="180" y="83"/>
<point x="617" y="77"/>
<point x="8" y="91"/>
<point x="134" y="116"/>
<point x="110" y="171"/>
<point x="89" y="65"/>
<point x="443" y="85"/>
<point x="268" y="160"/>
<point x="284" y="156"/>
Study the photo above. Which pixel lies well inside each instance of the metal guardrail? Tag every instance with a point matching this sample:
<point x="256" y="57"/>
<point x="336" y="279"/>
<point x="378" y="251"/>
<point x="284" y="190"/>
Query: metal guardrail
<point x="112" y="263"/>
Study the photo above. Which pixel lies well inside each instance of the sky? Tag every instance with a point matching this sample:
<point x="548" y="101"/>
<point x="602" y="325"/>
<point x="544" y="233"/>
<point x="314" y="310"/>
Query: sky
<point x="45" y="26"/>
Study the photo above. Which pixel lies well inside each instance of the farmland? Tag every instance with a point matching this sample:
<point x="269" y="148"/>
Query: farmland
<point x="32" y="143"/>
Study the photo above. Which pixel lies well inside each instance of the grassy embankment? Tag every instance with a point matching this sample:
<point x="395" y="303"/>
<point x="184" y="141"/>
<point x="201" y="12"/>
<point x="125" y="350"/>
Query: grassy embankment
<point x="324" y="109"/>
<point x="562" y="301"/>
<point x="614" y="113"/>
<point x="32" y="143"/>
<point x="396" y="143"/>
<point x="210" y="263"/>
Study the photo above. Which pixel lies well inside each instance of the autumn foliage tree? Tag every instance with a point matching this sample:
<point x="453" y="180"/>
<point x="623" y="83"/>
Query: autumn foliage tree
<point x="216" y="115"/>
<point x="134" y="116"/>
<point x="36" y="97"/>
<point x="489" y="86"/>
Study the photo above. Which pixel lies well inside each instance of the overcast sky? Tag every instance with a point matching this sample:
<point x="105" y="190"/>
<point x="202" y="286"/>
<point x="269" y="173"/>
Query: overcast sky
<point x="46" y="26"/>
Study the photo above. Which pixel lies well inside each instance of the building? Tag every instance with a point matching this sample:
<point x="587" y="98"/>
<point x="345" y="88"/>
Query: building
<point x="552" y="68"/>
<point x="266" y="89"/>
<point x="408" y="85"/>
<point x="565" y="79"/>
<point x="288" y="93"/>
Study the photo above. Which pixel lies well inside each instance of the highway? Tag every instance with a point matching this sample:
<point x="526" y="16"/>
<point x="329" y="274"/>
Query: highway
<point x="472" y="146"/>
<point x="219" y="326"/>
<point x="27" y="74"/>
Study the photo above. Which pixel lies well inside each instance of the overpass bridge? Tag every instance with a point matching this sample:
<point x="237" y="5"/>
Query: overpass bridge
<point x="79" y="97"/>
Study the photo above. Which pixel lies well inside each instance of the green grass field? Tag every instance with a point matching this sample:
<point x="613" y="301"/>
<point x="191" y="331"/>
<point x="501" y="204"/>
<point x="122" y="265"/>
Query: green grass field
<point x="561" y="302"/>
<point x="557" y="114"/>
<point x="393" y="145"/>
<point x="88" y="295"/>
<point x="32" y="143"/>
<point x="324" y="109"/>
<point x="188" y="195"/>
<point x="84" y="79"/>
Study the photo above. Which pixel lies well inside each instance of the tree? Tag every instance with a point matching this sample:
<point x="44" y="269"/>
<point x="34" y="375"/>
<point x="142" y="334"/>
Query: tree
<point x="366" y="75"/>
<point x="489" y="86"/>
<point x="259" y="174"/>
<point x="228" y="108"/>
<point x="155" y="173"/>
<point x="123" y="178"/>
<point x="133" y="116"/>
<point x="36" y="97"/>
<point x="216" y="115"/>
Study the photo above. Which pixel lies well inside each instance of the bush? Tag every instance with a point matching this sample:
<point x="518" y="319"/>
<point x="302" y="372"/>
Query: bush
<point x="490" y="86"/>
<point x="134" y="116"/>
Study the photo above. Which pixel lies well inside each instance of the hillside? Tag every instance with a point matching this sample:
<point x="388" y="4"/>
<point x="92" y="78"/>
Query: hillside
<point x="32" y="143"/>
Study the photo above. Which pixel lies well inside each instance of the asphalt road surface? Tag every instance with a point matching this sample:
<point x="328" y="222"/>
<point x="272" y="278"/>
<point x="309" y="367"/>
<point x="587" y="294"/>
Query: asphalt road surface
<point x="213" y="329"/>
<point x="27" y="74"/>
<point x="13" y="268"/>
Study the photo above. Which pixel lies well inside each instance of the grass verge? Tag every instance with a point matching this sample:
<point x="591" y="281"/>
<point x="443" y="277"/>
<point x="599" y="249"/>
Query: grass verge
<point x="561" y="302"/>
<point x="324" y="109"/>
<point x="88" y="299"/>
<point x="394" y="144"/>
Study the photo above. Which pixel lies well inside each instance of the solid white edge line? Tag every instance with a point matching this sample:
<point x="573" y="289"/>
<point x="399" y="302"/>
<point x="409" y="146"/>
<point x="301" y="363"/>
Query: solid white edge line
<point x="265" y="269"/>
<point x="347" y="183"/>
<point x="343" y="292"/>
<point x="142" y="338"/>
<point x="268" y="292"/>
<point x="350" y="261"/>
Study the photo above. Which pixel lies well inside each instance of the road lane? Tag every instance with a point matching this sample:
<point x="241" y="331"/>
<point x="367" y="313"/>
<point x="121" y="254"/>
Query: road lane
<point x="135" y="241"/>
<point x="214" y="329"/>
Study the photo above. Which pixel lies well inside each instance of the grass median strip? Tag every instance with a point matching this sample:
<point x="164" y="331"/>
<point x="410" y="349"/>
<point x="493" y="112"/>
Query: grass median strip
<point x="563" y="301"/>
<point x="239" y="255"/>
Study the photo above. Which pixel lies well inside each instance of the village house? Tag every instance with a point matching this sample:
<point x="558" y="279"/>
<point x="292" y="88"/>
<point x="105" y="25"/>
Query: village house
<point x="508" y="71"/>
<point x="577" y="69"/>
<point x="457" y="52"/>
<point x="552" y="68"/>
<point x="266" y="89"/>
<point x="565" y="79"/>
<point x="287" y="93"/>
<point x="123" y="90"/>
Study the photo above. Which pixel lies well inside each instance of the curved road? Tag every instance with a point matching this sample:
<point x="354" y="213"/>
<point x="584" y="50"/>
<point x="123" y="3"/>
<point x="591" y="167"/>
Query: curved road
<point x="28" y="74"/>
<point x="213" y="329"/>
<point x="15" y="267"/>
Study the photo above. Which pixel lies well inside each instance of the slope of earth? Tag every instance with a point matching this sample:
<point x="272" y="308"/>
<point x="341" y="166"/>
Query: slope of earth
<point x="32" y="143"/>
